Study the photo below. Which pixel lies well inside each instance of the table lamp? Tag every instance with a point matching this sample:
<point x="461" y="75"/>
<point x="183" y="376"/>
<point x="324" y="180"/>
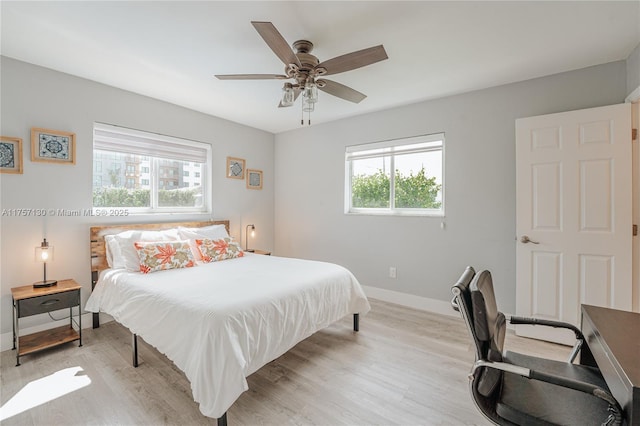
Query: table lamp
<point x="44" y="254"/>
<point x="246" y="237"/>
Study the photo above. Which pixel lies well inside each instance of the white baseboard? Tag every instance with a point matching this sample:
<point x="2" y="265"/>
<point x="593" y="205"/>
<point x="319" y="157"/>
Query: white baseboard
<point x="6" y="339"/>
<point x="416" y="302"/>
<point x="411" y="301"/>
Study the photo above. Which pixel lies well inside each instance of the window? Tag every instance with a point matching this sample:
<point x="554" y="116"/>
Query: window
<point x="416" y="187"/>
<point x="121" y="152"/>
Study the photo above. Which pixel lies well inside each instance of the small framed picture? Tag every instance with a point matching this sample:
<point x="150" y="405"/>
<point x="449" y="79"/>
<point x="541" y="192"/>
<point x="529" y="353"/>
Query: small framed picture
<point x="254" y="179"/>
<point x="235" y="168"/>
<point x="10" y="155"/>
<point x="53" y="146"/>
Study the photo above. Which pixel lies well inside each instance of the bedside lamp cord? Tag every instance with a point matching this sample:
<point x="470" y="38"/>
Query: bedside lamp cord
<point x="64" y="318"/>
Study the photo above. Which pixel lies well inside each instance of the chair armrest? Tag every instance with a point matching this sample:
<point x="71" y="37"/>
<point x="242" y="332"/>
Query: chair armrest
<point x="503" y="366"/>
<point x="615" y="417"/>
<point x="548" y="323"/>
<point x="556" y="324"/>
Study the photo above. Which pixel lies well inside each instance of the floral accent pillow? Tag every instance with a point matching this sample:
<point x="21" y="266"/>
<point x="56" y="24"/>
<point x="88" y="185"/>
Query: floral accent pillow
<point x="162" y="255"/>
<point x="220" y="249"/>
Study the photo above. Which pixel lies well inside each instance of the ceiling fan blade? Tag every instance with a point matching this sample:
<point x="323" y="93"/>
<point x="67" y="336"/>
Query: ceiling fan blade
<point x="354" y="60"/>
<point x="251" y="76"/>
<point x="276" y="42"/>
<point x="340" y="90"/>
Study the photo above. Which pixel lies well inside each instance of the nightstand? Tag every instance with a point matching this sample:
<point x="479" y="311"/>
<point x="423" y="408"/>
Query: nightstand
<point x="264" y="252"/>
<point x="28" y="301"/>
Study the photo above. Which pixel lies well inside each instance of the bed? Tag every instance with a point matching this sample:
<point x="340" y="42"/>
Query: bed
<point x="219" y="321"/>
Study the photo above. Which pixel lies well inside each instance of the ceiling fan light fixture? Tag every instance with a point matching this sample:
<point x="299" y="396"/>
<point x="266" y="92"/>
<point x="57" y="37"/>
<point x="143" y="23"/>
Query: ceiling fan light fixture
<point x="288" y="95"/>
<point x="307" y="105"/>
<point x="310" y="92"/>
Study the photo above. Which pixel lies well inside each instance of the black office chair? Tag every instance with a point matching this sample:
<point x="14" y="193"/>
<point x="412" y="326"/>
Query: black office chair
<point x="515" y="389"/>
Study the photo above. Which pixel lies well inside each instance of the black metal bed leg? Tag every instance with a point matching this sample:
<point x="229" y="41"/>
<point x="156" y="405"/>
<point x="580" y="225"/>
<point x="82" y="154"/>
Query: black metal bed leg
<point x="222" y="420"/>
<point x="95" y="315"/>
<point x="134" y="348"/>
<point x="356" y="322"/>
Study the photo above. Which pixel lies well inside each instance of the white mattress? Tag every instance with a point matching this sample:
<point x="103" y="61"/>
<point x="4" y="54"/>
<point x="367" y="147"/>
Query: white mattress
<point x="220" y="322"/>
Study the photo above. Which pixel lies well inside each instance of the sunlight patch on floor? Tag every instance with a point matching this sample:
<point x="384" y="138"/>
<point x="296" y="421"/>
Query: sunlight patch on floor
<point x="44" y="390"/>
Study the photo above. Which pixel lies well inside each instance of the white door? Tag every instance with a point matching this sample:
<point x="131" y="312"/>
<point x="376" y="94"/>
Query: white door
<point x="573" y="180"/>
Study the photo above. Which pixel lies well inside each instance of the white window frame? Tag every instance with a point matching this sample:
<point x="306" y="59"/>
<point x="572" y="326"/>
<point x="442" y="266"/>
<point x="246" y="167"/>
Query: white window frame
<point x="389" y="149"/>
<point x="122" y="140"/>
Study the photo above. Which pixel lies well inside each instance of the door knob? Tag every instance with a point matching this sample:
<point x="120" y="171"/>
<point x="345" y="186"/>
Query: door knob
<point x="525" y="239"/>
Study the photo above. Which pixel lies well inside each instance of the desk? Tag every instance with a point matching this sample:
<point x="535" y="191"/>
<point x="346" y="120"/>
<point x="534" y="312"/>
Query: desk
<point x="613" y="339"/>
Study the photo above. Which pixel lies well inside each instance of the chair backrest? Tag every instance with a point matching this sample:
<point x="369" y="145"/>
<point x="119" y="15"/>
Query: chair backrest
<point x="490" y="326"/>
<point x="462" y="301"/>
<point x="474" y="298"/>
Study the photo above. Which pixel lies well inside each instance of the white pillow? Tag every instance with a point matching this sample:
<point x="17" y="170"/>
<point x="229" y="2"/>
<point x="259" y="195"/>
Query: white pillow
<point x="114" y="256"/>
<point x="212" y="232"/>
<point x="128" y="255"/>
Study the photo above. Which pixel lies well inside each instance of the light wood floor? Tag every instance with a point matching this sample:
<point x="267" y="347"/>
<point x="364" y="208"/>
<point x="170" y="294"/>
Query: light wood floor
<point x="404" y="367"/>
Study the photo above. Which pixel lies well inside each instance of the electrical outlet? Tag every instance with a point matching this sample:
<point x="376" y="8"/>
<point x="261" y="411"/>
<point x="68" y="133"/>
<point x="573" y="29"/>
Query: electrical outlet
<point x="392" y="271"/>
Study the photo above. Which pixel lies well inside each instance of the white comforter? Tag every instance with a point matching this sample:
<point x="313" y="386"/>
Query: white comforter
<point x="220" y="322"/>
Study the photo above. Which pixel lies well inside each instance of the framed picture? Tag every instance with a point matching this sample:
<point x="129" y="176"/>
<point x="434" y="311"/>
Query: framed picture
<point x="10" y="155"/>
<point x="254" y="179"/>
<point x="53" y="146"/>
<point x="235" y="168"/>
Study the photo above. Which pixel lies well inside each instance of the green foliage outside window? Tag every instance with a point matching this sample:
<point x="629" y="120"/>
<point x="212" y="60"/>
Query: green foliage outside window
<point x="371" y="191"/>
<point x="412" y="191"/>
<point x="123" y="197"/>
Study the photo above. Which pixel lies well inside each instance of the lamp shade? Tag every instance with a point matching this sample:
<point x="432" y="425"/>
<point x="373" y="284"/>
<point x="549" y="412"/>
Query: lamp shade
<point x="246" y="237"/>
<point x="288" y="95"/>
<point x="308" y="106"/>
<point x="44" y="254"/>
<point x="311" y="92"/>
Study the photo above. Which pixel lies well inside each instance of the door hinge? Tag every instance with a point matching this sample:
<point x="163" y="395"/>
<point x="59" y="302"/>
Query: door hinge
<point x="635" y="230"/>
<point x="634" y="134"/>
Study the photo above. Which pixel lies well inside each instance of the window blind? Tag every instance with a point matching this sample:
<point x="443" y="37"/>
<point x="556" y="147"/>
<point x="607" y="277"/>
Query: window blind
<point x="412" y="145"/>
<point x="123" y="140"/>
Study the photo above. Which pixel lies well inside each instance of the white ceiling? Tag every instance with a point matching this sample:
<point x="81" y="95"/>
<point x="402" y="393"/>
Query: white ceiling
<point x="171" y="50"/>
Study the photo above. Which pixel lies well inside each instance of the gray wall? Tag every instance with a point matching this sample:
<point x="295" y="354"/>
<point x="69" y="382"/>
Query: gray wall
<point x="37" y="97"/>
<point x="479" y="178"/>
<point x="633" y="70"/>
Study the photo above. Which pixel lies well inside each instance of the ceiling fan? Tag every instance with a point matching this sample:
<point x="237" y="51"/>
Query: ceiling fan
<point x="307" y="71"/>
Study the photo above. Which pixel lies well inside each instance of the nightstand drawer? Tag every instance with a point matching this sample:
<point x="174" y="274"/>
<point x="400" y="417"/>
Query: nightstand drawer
<point x="52" y="302"/>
